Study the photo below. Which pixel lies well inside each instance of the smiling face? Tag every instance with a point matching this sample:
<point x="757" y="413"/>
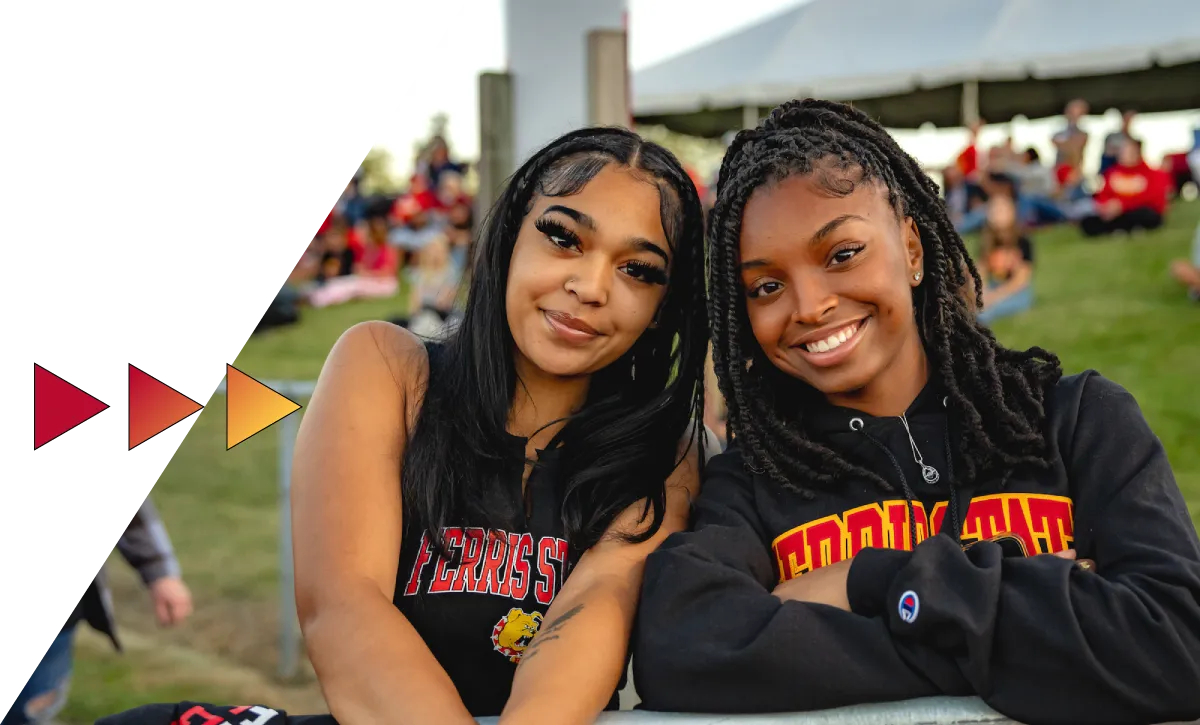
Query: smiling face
<point x="588" y="274"/>
<point x="829" y="285"/>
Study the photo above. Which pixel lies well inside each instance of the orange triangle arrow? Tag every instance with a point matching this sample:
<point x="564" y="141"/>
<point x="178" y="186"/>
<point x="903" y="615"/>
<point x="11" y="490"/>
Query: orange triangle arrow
<point x="154" y="406"/>
<point x="252" y="407"/>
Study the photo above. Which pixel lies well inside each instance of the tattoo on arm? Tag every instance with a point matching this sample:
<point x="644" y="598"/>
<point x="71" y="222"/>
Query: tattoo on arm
<point x="548" y="633"/>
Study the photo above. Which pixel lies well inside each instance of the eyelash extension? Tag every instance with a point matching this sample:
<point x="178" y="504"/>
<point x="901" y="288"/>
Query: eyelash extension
<point x="650" y="273"/>
<point x="551" y="228"/>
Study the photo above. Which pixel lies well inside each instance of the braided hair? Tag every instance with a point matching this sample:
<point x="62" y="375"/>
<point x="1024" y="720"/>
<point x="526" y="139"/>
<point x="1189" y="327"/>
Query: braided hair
<point x="996" y="396"/>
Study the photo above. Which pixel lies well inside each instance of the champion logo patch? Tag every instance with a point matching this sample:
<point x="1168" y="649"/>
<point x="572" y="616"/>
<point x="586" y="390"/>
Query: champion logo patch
<point x="910" y="605"/>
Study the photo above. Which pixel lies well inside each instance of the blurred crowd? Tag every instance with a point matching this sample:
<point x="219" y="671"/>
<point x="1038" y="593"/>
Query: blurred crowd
<point x="1003" y="193"/>
<point x="412" y="247"/>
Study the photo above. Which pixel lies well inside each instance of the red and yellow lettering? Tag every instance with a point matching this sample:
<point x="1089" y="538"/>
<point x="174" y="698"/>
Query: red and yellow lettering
<point x="1052" y="520"/>
<point x="423" y="556"/>
<point x="521" y="545"/>
<point x="468" y="579"/>
<point x="491" y="577"/>
<point x="985" y="518"/>
<point x="864" y="529"/>
<point x="444" y="575"/>
<point x="1045" y="523"/>
<point x="545" y="589"/>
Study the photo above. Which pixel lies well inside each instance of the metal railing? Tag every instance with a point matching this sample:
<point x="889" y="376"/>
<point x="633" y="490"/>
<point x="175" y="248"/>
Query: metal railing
<point x="927" y="711"/>
<point x="288" y="427"/>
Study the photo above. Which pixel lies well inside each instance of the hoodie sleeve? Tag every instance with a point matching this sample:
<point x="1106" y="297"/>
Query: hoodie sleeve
<point x="146" y="546"/>
<point x="711" y="636"/>
<point x="1041" y="640"/>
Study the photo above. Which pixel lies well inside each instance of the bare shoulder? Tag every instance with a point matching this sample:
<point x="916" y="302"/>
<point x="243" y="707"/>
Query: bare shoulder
<point x="374" y="348"/>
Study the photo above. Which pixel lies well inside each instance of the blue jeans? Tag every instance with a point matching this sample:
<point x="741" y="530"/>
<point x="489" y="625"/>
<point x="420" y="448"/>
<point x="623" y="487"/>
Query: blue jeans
<point x="1039" y="210"/>
<point x="1013" y="304"/>
<point x="46" y="692"/>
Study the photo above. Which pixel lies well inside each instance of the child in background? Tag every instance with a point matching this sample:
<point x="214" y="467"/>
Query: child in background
<point x="433" y="288"/>
<point x="1134" y="196"/>
<point x="1006" y="264"/>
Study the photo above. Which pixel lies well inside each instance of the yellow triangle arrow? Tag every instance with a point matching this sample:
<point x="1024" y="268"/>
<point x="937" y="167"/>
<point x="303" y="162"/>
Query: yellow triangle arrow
<point x="252" y="406"/>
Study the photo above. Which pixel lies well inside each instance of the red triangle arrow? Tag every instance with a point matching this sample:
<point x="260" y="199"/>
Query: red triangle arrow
<point x="58" y="406"/>
<point x="154" y="406"/>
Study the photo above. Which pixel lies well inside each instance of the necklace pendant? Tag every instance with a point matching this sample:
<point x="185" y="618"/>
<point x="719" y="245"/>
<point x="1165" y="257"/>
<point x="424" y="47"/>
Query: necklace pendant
<point x="930" y="474"/>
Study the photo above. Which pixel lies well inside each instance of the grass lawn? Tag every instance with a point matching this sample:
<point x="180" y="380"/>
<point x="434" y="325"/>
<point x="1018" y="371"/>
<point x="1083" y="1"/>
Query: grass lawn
<point x="1105" y="305"/>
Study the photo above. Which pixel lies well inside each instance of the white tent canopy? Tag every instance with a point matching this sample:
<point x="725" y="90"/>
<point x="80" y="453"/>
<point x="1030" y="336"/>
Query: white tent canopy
<point x="907" y="61"/>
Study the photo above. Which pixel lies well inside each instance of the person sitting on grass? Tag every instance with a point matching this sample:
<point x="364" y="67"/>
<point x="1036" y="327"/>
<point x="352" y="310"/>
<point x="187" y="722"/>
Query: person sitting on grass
<point x="373" y="275"/>
<point x="1006" y="264"/>
<point x="433" y="286"/>
<point x="1134" y="196"/>
<point x="1188" y="271"/>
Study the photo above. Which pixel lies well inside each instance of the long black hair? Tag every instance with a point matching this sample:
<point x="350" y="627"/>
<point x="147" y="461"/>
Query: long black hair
<point x="623" y="444"/>
<point x="996" y="396"/>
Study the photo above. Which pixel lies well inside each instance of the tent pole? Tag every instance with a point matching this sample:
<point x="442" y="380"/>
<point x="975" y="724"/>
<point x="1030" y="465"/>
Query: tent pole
<point x="970" y="103"/>
<point x="749" y="116"/>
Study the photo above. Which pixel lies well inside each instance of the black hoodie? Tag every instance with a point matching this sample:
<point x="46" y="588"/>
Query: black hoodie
<point x="1038" y="638"/>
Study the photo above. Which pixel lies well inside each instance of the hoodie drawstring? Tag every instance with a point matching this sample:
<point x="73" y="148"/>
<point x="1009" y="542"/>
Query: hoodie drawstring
<point x="857" y="426"/>
<point x="908" y="494"/>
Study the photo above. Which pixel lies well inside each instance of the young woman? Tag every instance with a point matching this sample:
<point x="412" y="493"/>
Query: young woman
<point x="471" y="518"/>
<point x="462" y="509"/>
<point x="1006" y="268"/>
<point x="907" y="507"/>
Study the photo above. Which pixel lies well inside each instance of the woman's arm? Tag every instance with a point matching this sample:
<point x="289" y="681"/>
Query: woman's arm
<point x="572" y="667"/>
<point x="712" y="638"/>
<point x="372" y="664"/>
<point x="1042" y="640"/>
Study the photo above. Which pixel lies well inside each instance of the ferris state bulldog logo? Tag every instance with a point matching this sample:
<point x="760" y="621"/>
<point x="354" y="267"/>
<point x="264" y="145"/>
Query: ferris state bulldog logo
<point x="513" y="633"/>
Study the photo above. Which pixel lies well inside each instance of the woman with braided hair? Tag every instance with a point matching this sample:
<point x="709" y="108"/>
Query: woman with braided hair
<point x="472" y="516"/>
<point x="906" y="508"/>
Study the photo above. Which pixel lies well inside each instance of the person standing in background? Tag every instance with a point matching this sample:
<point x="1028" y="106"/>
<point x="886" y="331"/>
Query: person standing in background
<point x="146" y="547"/>
<point x="1114" y="140"/>
<point x="1071" y="141"/>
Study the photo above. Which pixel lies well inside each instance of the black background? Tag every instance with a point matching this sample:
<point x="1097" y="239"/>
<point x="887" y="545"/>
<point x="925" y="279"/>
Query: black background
<point x="177" y="168"/>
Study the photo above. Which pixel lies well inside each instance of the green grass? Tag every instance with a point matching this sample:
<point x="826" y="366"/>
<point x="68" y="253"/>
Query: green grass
<point x="1106" y="305"/>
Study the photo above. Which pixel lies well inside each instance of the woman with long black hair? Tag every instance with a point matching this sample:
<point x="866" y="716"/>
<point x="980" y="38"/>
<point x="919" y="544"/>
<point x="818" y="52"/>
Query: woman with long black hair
<point x="471" y="517"/>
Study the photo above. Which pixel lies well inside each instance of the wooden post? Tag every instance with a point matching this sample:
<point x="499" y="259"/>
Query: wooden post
<point x="608" y="78"/>
<point x="970" y="103"/>
<point x="750" y="117"/>
<point x="496" y="161"/>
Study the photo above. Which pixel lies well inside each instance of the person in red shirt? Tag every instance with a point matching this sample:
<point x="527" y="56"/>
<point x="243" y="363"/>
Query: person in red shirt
<point x="968" y="160"/>
<point x="1134" y="196"/>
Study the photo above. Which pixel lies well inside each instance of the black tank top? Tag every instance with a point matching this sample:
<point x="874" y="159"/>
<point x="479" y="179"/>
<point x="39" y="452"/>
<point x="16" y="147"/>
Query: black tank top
<point x="479" y="616"/>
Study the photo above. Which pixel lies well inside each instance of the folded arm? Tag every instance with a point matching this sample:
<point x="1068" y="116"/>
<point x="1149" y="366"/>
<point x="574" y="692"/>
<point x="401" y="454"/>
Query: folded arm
<point x="574" y="664"/>
<point x="372" y="664"/>
<point x="712" y="637"/>
<point x="1042" y="640"/>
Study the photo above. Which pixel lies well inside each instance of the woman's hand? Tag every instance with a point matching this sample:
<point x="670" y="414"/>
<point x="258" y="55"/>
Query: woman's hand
<point x="1087" y="564"/>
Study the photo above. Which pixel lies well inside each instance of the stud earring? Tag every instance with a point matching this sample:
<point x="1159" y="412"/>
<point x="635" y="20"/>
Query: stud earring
<point x="917" y="277"/>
